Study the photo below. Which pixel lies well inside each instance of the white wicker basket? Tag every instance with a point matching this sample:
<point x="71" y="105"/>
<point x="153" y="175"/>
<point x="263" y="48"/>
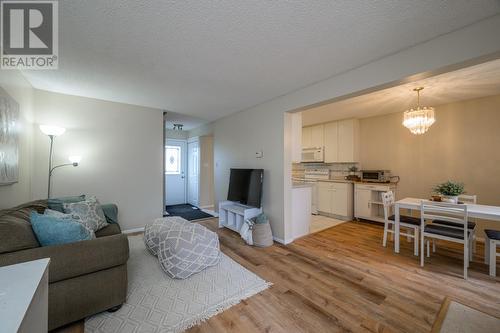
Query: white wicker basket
<point x="262" y="235"/>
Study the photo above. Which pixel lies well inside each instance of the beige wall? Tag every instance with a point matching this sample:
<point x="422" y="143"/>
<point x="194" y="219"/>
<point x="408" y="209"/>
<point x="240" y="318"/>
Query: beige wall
<point x="121" y="148"/>
<point x="206" y="193"/>
<point x="463" y="145"/>
<point x="19" y="89"/>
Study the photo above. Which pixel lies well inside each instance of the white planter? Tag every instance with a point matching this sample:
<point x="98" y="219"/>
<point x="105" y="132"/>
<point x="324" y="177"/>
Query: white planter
<point x="450" y="198"/>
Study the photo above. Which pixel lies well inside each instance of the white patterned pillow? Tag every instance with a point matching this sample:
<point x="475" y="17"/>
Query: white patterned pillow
<point x="88" y="211"/>
<point x="69" y="217"/>
<point x="186" y="248"/>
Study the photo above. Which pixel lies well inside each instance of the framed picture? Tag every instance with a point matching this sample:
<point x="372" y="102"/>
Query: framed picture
<point x="9" y="139"/>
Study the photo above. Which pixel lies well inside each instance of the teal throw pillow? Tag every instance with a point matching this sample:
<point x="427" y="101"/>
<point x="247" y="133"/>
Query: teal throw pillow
<point x="51" y="230"/>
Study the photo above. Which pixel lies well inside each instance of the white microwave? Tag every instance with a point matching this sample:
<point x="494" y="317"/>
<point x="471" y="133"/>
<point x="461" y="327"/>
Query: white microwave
<point x="313" y="155"/>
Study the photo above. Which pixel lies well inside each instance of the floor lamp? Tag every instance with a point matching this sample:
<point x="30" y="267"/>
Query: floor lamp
<point x="52" y="132"/>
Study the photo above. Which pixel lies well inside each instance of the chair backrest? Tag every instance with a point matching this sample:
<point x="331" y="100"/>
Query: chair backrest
<point x="442" y="211"/>
<point x="468" y="198"/>
<point x="388" y="201"/>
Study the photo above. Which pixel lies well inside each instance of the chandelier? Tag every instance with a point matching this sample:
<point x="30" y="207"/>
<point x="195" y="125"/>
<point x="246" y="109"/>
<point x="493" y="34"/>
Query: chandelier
<point x="420" y="119"/>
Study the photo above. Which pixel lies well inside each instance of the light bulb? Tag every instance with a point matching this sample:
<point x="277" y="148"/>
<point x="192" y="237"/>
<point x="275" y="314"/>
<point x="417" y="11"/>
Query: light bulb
<point x="52" y="130"/>
<point x="75" y="159"/>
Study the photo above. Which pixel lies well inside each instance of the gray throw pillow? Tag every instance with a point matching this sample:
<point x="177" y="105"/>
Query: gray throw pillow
<point x="88" y="211"/>
<point x="57" y="214"/>
<point x="186" y="248"/>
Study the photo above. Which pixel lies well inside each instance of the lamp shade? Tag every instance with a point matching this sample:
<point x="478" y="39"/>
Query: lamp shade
<point x="52" y="130"/>
<point x="75" y="159"/>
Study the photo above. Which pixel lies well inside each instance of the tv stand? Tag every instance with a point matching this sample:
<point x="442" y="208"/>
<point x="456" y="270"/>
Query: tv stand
<point x="232" y="214"/>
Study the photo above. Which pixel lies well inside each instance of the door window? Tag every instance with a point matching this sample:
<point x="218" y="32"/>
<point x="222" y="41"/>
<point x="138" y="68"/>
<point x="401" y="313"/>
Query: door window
<point x="173" y="160"/>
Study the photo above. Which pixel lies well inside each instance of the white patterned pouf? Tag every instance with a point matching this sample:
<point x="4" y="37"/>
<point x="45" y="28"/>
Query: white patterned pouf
<point x="183" y="248"/>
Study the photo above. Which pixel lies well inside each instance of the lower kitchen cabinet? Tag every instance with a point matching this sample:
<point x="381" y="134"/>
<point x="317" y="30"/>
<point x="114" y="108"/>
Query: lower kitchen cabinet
<point x="368" y="201"/>
<point x="336" y="199"/>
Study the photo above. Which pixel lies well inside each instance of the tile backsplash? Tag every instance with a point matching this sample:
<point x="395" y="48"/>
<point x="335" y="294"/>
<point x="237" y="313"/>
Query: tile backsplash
<point x="336" y="169"/>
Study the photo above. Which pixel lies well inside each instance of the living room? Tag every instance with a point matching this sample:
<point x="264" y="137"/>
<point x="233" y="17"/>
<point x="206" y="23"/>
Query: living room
<point x="239" y="70"/>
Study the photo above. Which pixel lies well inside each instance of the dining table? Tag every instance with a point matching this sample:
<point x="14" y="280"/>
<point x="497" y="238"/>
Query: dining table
<point x="483" y="212"/>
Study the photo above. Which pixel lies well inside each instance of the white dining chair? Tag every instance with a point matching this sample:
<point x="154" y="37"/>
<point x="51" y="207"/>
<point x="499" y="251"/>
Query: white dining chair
<point x="471" y="199"/>
<point x="408" y="222"/>
<point x="490" y="249"/>
<point x="455" y="213"/>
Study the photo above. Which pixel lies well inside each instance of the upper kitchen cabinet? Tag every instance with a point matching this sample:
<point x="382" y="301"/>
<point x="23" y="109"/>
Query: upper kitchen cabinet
<point x="331" y="142"/>
<point x="348" y="133"/>
<point x="342" y="141"/>
<point x="306" y="137"/>
<point x="313" y="136"/>
<point x="317" y="136"/>
<point x="296" y="136"/>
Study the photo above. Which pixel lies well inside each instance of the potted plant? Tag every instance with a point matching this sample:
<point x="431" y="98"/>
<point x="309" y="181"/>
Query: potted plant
<point x="352" y="173"/>
<point x="450" y="191"/>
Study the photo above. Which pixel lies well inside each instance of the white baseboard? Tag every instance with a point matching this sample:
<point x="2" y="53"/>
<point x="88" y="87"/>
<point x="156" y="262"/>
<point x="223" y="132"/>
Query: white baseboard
<point x="281" y="241"/>
<point x="131" y="231"/>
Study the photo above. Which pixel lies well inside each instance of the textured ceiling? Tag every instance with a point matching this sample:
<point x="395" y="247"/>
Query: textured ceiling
<point x="468" y="83"/>
<point x="208" y="59"/>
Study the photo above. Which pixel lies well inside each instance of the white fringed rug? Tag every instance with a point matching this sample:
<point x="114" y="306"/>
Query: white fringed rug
<point x="158" y="303"/>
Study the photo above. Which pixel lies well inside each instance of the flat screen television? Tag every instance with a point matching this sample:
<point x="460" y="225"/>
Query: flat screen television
<point x="245" y="186"/>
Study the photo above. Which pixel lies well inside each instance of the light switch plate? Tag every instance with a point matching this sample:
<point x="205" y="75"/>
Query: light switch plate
<point x="259" y="154"/>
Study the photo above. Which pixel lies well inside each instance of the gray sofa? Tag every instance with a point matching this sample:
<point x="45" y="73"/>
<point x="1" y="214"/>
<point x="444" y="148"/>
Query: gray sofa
<point x="85" y="277"/>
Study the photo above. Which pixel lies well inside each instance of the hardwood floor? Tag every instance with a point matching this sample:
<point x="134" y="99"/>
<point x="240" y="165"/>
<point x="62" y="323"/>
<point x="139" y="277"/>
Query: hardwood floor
<point x="343" y="280"/>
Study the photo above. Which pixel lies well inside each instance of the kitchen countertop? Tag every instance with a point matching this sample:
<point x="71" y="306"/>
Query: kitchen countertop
<point x="298" y="182"/>
<point x="301" y="185"/>
<point x="337" y="181"/>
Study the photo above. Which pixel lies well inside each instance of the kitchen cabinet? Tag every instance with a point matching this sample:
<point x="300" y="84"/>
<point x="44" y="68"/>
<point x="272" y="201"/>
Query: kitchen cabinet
<point x="363" y="199"/>
<point x="335" y="199"/>
<point x="313" y="136"/>
<point x="306" y="137"/>
<point x="341" y="141"/>
<point x="368" y="201"/>
<point x="296" y="137"/>
<point x="348" y="140"/>
<point x="317" y="136"/>
<point x="331" y="142"/>
<point x="324" y="197"/>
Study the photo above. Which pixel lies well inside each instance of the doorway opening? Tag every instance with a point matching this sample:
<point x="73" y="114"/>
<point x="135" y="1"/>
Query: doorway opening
<point x="188" y="174"/>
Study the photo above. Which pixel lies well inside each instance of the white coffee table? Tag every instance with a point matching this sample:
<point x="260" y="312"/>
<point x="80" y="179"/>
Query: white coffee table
<point x="24" y="292"/>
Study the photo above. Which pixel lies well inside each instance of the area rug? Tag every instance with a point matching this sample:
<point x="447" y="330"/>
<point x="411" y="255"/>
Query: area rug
<point x="455" y="317"/>
<point x="187" y="212"/>
<point x="157" y="303"/>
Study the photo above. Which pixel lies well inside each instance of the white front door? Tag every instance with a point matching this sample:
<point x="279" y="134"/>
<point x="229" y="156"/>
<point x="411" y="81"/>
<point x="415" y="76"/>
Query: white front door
<point x="175" y="172"/>
<point x="193" y="172"/>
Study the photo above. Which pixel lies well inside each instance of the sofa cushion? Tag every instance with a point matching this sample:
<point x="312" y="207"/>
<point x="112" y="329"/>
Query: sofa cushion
<point x="51" y="230"/>
<point x="186" y="248"/>
<point x="15" y="227"/>
<point x="57" y="203"/>
<point x="75" y="259"/>
<point x="88" y="211"/>
<point x="110" y="212"/>
<point x="112" y="229"/>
